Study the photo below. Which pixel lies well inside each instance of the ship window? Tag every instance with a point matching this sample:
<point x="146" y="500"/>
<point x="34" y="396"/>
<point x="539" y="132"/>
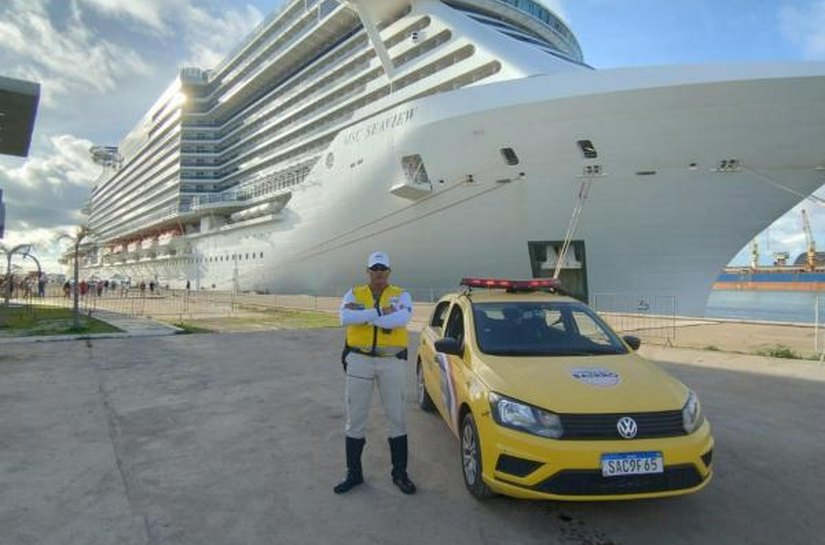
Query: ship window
<point x="247" y="256"/>
<point x="262" y="255"/>
<point x="588" y="149"/>
<point x="510" y="156"/>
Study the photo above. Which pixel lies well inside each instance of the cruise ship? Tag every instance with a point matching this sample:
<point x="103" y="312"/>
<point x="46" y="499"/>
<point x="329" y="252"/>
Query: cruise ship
<point x="465" y="138"/>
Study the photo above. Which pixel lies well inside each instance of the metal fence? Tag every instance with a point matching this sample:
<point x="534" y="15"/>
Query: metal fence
<point x="165" y="303"/>
<point x="649" y="317"/>
<point x="819" y="317"/>
<point x="652" y="318"/>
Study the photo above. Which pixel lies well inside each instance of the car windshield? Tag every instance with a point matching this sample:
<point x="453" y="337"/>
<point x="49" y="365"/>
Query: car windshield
<point x="542" y="328"/>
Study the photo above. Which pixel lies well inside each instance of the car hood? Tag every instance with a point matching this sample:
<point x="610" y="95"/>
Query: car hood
<point x="598" y="384"/>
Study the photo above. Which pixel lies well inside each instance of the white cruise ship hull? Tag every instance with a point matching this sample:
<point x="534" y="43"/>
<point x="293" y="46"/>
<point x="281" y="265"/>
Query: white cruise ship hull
<point x="690" y="164"/>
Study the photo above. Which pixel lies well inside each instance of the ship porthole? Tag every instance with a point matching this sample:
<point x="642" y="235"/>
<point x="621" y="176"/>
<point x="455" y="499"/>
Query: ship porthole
<point x="330" y="161"/>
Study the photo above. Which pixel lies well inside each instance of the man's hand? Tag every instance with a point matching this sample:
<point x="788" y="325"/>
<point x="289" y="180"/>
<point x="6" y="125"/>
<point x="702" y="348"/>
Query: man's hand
<point x="387" y="310"/>
<point x="354" y="306"/>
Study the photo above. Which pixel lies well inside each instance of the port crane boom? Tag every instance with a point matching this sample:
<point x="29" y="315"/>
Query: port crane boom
<point x="809" y="240"/>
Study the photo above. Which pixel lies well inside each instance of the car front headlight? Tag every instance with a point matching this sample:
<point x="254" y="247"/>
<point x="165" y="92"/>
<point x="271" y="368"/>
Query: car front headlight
<point x="692" y="413"/>
<point x="520" y="416"/>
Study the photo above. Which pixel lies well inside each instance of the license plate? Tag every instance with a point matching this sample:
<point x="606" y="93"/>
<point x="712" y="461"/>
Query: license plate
<point x="631" y="463"/>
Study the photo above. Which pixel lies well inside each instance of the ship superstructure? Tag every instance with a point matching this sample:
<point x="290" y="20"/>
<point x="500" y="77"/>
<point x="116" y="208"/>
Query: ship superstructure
<point x="457" y="135"/>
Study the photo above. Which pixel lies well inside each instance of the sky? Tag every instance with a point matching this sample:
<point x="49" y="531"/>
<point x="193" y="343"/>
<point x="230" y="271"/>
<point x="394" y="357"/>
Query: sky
<point x="102" y="63"/>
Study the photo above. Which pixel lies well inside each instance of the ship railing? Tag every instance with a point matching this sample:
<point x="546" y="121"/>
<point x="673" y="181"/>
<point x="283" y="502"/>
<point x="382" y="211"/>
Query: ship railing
<point x="254" y="194"/>
<point x="252" y="40"/>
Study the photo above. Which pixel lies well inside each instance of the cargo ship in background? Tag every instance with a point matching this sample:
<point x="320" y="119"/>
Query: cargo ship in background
<point x="771" y="279"/>
<point x="464" y="137"/>
<point x="806" y="273"/>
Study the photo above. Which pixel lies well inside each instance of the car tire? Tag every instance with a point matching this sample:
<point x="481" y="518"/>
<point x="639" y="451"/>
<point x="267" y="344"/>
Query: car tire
<point x="471" y="463"/>
<point x="424" y="399"/>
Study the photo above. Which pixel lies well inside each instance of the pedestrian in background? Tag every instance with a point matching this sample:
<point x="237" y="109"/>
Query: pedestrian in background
<point x="376" y="315"/>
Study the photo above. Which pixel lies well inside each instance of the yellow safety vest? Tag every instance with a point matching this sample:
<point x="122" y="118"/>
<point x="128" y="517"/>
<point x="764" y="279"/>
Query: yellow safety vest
<point x="375" y="340"/>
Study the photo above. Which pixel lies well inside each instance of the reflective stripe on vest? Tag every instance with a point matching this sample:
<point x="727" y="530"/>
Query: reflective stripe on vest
<point x="369" y="338"/>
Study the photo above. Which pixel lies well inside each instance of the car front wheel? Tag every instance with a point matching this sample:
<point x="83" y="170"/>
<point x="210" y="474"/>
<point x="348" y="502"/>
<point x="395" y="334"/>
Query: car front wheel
<point x="424" y="399"/>
<point x="471" y="459"/>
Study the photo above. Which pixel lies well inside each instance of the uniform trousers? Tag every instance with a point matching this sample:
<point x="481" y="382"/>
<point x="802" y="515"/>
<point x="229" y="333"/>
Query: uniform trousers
<point x="389" y="374"/>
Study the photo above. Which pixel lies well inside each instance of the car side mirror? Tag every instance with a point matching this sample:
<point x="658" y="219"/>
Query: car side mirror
<point x="633" y="342"/>
<point x="448" y="345"/>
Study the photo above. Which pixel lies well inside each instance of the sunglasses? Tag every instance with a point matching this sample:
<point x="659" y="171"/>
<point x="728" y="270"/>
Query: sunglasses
<point x="377" y="268"/>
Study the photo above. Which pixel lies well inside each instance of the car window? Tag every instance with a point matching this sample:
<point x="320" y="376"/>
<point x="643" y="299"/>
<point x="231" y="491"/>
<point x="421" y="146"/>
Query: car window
<point x="439" y="313"/>
<point x="590" y="329"/>
<point x="542" y="328"/>
<point x="455" y="324"/>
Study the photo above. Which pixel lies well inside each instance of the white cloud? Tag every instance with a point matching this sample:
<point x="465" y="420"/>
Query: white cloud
<point x="208" y="33"/>
<point x="49" y="189"/>
<point x="44" y="196"/>
<point x="805" y="27"/>
<point x="66" y="59"/>
<point x="46" y="248"/>
<point x="153" y="14"/>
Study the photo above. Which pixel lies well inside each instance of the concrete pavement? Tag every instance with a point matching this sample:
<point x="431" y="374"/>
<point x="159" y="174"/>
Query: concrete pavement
<point x="237" y="438"/>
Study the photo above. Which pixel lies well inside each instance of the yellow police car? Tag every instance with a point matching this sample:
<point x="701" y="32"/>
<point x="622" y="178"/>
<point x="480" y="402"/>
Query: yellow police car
<point x="548" y="402"/>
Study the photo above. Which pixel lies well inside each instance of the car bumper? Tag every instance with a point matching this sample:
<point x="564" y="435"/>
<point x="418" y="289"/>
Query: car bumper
<point x="525" y="466"/>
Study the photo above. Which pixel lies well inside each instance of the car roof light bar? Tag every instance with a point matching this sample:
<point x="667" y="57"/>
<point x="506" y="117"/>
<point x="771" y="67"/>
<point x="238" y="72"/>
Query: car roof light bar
<point x="512" y="285"/>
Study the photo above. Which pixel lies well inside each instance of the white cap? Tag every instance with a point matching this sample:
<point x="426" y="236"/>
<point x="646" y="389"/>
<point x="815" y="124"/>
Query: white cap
<point x="378" y="258"/>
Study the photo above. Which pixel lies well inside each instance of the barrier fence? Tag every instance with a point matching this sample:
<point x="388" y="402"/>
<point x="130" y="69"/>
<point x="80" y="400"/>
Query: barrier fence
<point x="652" y="318"/>
<point x="819" y="317"/>
<point x="166" y="303"/>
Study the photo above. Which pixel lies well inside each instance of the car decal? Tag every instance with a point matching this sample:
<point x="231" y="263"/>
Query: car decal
<point x="596" y="376"/>
<point x="447" y="386"/>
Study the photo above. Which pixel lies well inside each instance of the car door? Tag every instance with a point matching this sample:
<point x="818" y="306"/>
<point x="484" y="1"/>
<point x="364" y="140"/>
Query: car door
<point x="426" y="347"/>
<point x="451" y="369"/>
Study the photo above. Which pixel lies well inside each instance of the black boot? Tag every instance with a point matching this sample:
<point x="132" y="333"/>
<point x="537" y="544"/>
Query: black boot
<point x="398" y="452"/>
<point x="354" y="475"/>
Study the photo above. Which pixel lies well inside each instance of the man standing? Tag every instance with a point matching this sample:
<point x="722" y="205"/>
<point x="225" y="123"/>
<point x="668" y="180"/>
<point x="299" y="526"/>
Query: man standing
<point x="376" y="315"/>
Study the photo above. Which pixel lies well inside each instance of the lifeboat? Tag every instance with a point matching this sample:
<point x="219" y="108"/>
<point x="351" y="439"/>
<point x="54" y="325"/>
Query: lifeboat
<point x="148" y="242"/>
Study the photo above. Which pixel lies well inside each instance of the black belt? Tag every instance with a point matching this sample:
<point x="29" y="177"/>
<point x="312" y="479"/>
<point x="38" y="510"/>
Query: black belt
<point x="401" y="355"/>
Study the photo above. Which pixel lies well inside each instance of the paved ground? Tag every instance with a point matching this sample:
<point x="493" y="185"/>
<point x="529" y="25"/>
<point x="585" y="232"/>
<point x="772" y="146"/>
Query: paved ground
<point x="237" y="438"/>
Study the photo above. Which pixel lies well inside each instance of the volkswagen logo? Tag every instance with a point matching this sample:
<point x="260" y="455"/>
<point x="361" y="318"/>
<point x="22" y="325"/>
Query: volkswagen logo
<point x="627" y="427"/>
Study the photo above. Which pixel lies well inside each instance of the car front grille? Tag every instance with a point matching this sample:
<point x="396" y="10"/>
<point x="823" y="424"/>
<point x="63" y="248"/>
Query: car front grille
<point x="605" y="426"/>
<point x="592" y="483"/>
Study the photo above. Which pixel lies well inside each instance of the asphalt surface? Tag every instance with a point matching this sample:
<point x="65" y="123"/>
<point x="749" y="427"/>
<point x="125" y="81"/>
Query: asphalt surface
<point x="238" y="438"/>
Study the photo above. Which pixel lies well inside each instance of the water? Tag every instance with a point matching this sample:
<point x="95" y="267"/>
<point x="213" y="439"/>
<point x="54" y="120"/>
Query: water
<point x="774" y="306"/>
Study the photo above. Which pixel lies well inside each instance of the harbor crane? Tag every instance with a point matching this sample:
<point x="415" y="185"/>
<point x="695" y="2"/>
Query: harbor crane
<point x="809" y="240"/>
<point x="754" y="254"/>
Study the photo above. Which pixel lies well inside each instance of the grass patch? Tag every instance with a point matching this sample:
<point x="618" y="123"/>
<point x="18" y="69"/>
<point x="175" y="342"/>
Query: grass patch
<point x="258" y="318"/>
<point x="712" y="348"/>
<point x="779" y="351"/>
<point x="188" y="328"/>
<point x="36" y="320"/>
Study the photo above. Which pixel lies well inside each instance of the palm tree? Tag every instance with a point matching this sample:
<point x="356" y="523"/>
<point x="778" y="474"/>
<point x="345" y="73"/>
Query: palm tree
<point x="82" y="232"/>
<point x="20" y="248"/>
